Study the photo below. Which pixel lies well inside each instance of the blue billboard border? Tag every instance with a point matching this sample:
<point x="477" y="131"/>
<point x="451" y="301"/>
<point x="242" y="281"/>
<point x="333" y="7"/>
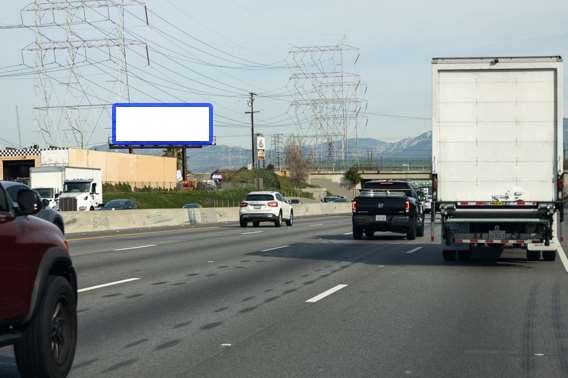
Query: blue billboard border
<point x="162" y="105"/>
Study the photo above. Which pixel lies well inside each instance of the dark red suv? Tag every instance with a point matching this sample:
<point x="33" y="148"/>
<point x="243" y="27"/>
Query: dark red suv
<point x="38" y="289"/>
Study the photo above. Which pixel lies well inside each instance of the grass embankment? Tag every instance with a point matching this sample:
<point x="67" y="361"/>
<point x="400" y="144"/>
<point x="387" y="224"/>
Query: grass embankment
<point x="238" y="184"/>
<point x="175" y="200"/>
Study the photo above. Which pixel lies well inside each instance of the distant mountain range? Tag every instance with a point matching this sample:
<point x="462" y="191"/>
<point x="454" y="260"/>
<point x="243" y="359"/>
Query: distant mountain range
<point x="419" y="148"/>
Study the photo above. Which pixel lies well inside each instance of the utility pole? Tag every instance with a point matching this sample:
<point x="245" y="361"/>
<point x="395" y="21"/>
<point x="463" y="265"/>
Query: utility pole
<point x="252" y="136"/>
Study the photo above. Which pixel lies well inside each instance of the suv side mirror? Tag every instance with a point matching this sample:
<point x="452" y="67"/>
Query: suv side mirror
<point x="29" y="202"/>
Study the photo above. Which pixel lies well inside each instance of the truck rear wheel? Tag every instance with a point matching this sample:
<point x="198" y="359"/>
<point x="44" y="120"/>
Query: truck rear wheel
<point x="411" y="233"/>
<point x="533" y="255"/>
<point x="549" y="255"/>
<point x="357" y="233"/>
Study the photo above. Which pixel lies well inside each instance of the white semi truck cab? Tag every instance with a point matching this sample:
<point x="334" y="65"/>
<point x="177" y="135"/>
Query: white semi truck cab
<point x="80" y="195"/>
<point x="73" y="188"/>
<point x="497" y="154"/>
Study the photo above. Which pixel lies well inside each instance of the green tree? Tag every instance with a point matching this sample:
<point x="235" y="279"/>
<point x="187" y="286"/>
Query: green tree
<point x="353" y="176"/>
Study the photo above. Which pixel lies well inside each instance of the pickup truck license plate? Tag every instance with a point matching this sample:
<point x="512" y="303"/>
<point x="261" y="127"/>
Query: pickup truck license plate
<point x="380" y="218"/>
<point x="497" y="234"/>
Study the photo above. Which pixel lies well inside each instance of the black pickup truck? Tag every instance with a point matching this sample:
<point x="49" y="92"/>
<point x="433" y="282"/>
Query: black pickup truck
<point x="393" y="206"/>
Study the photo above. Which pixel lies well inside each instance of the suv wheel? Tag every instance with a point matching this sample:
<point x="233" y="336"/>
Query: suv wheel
<point x="243" y="223"/>
<point x="47" y="347"/>
<point x="290" y="222"/>
<point x="278" y="221"/>
<point x="255" y="223"/>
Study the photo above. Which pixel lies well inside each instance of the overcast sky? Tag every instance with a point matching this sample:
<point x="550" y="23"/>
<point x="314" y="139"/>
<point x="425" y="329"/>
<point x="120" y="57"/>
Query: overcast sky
<point x="397" y="40"/>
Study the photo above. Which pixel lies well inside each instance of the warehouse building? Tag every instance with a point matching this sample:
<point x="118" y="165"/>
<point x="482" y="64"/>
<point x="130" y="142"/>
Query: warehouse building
<point x="137" y="170"/>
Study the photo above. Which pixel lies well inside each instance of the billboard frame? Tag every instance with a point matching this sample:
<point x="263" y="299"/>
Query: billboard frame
<point x="161" y="144"/>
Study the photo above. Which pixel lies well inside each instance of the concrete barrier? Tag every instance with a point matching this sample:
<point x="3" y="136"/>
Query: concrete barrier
<point x="101" y="221"/>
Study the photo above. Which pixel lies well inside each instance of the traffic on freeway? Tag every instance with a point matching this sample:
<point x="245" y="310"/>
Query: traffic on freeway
<point x="283" y="189"/>
<point x="308" y="301"/>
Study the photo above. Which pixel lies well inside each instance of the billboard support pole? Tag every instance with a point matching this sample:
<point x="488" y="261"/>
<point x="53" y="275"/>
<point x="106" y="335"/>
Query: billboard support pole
<point x="184" y="164"/>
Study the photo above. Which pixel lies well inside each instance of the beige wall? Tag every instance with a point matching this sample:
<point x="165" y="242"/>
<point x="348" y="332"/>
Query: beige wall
<point x="137" y="170"/>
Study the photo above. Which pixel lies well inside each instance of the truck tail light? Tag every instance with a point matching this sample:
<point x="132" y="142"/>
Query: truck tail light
<point x="354" y="206"/>
<point x="406" y="206"/>
<point x="244" y="204"/>
<point x="272" y="204"/>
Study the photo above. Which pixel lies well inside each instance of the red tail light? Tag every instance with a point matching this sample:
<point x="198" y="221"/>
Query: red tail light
<point x="406" y="206"/>
<point x="244" y="204"/>
<point x="354" y="206"/>
<point x="272" y="204"/>
<point x="560" y="185"/>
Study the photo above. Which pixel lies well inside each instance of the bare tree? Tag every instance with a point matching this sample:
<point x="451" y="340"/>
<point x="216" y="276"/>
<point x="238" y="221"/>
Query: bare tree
<point x="297" y="165"/>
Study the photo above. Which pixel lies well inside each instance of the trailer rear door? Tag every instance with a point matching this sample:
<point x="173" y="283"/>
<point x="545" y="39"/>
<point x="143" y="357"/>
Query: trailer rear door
<point x="495" y="134"/>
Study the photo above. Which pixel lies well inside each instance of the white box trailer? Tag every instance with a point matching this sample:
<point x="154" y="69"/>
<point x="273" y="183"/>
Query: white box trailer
<point x="72" y="188"/>
<point x="497" y="152"/>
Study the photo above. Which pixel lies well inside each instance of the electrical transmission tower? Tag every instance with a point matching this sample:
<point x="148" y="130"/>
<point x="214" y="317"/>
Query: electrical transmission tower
<point x="79" y="63"/>
<point x="277" y="150"/>
<point x="329" y="98"/>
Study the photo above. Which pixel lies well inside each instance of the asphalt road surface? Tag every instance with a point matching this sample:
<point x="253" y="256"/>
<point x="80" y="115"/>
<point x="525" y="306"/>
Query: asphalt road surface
<point x="307" y="301"/>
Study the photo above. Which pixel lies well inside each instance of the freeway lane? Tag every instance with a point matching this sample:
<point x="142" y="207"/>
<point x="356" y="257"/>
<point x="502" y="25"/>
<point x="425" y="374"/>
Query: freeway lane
<point x="310" y="301"/>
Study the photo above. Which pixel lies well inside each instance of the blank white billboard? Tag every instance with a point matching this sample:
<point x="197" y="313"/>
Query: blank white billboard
<point x="154" y="124"/>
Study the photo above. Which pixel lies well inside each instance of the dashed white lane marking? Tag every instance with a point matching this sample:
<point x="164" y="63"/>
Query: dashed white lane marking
<point x="414" y="250"/>
<point x="107" y="284"/>
<point x="275" y="248"/>
<point x="326" y="293"/>
<point x="226" y="345"/>
<point x="563" y="257"/>
<point x="316" y="225"/>
<point x="251" y="232"/>
<point x="137" y="247"/>
<point x="348" y="233"/>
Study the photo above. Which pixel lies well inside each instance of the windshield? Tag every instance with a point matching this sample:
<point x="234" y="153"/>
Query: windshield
<point x="117" y="204"/>
<point x="45" y="192"/>
<point x="260" y="197"/>
<point x="77" y="187"/>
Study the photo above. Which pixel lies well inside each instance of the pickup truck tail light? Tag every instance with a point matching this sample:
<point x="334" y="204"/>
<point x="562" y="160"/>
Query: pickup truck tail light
<point x="354" y="206"/>
<point x="406" y="206"/>
<point x="244" y="204"/>
<point x="272" y="204"/>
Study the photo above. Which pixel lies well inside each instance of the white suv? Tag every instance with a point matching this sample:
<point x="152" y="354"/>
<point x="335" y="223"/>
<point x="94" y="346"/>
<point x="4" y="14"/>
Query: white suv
<point x="265" y="207"/>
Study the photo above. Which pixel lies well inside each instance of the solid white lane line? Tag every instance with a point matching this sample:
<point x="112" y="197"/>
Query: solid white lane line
<point x="326" y="293"/>
<point x="251" y="232"/>
<point x="275" y="248"/>
<point x="413" y="250"/>
<point x="107" y="284"/>
<point x="137" y="247"/>
<point x="348" y="233"/>
<point x="563" y="257"/>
